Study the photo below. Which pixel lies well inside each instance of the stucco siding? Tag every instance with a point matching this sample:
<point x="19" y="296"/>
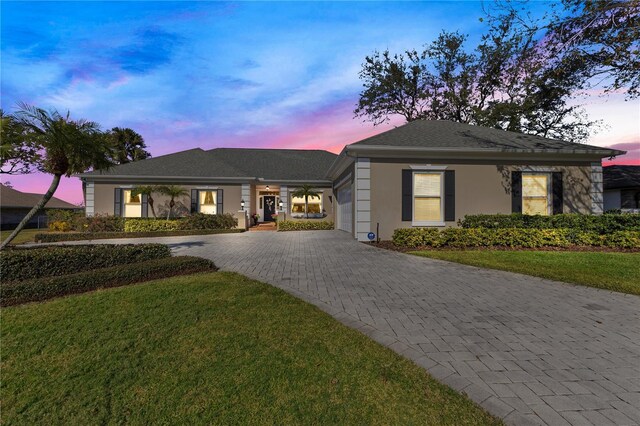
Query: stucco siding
<point x="479" y="188"/>
<point x="104" y="198"/>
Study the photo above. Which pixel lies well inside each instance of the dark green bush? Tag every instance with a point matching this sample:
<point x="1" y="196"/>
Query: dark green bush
<point x="99" y="223"/>
<point x="38" y="262"/>
<point x="511" y="237"/>
<point x="18" y="292"/>
<point x="52" y="237"/>
<point x="295" y="225"/>
<point x="208" y="221"/>
<point x="602" y="224"/>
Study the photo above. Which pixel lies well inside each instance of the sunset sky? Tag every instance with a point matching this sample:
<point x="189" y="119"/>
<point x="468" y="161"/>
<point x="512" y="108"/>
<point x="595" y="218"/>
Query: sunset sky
<point x="245" y="74"/>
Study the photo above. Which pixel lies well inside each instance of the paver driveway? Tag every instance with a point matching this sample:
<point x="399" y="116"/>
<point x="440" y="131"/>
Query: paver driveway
<point x="528" y="350"/>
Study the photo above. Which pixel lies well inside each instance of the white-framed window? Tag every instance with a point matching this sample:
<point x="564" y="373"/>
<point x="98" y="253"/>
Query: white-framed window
<point x="428" y="203"/>
<point x="207" y="201"/>
<point x="132" y="204"/>
<point x="536" y="193"/>
<point x="314" y="208"/>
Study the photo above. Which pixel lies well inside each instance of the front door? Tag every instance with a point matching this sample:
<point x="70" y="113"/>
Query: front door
<point x="269" y="207"/>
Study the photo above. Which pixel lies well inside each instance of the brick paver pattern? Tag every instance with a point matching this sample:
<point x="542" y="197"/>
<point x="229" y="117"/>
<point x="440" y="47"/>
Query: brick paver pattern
<point x="528" y="350"/>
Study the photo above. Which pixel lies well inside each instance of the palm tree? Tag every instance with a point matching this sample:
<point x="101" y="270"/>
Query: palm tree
<point x="306" y="191"/>
<point x="173" y="191"/>
<point x="147" y="190"/>
<point x="128" y="145"/>
<point x="65" y="147"/>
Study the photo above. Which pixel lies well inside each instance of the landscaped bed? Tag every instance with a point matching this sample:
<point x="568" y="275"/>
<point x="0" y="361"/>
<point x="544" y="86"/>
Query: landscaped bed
<point x="606" y="270"/>
<point x="208" y="348"/>
<point x="52" y="237"/>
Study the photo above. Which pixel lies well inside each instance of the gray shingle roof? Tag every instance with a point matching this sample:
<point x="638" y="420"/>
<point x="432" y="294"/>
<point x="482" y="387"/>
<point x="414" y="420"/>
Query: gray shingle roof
<point x="269" y="164"/>
<point x="448" y="134"/>
<point x="12" y="198"/>
<point x="621" y="177"/>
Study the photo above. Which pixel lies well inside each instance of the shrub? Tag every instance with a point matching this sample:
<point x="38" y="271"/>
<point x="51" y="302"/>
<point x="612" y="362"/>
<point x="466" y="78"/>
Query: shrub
<point x="511" y="237"/>
<point x="99" y="223"/>
<point x="51" y="237"/>
<point x="294" y="225"/>
<point x="63" y="220"/>
<point x="46" y="288"/>
<point x="31" y="263"/>
<point x="602" y="224"/>
<point x="209" y="221"/>
<point x="151" y="225"/>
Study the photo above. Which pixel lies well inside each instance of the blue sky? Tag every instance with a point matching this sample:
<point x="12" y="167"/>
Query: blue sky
<point x="261" y="74"/>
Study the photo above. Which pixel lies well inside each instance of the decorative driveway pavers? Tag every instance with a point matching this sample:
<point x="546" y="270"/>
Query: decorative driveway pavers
<point x="528" y="350"/>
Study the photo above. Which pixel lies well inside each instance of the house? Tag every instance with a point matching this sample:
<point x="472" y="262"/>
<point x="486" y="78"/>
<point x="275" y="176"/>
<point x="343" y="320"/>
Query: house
<point x="424" y="173"/>
<point x="621" y="188"/>
<point x="14" y="206"/>
<point x="221" y="180"/>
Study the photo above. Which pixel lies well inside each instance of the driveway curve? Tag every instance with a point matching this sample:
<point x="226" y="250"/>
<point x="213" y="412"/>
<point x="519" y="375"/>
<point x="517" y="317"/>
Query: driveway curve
<point x="529" y="350"/>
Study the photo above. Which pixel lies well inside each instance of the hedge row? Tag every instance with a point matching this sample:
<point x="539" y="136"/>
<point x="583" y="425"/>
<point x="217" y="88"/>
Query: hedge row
<point x="294" y="225"/>
<point x="38" y="262"/>
<point x="52" y="237"/>
<point x="602" y="224"/>
<point x="511" y="237"/>
<point x="151" y="225"/>
<point x="46" y="288"/>
<point x="192" y="222"/>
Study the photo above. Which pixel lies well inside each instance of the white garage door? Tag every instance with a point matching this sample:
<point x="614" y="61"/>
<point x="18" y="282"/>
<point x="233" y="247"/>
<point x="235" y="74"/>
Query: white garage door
<point x="345" y="210"/>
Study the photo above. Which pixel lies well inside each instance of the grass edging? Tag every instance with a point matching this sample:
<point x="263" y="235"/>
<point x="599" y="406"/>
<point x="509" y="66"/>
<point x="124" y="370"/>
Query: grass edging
<point x="54" y="237"/>
<point x="604" y="270"/>
<point x="40" y="289"/>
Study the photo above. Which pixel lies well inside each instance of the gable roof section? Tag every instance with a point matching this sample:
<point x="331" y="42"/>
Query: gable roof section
<point x="229" y="163"/>
<point x="278" y="164"/>
<point x="441" y="134"/>
<point x="12" y="198"/>
<point x="615" y="177"/>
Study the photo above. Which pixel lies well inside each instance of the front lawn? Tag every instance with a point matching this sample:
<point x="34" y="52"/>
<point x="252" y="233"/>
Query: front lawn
<point x="606" y="270"/>
<point x="208" y="348"/>
<point x="25" y="236"/>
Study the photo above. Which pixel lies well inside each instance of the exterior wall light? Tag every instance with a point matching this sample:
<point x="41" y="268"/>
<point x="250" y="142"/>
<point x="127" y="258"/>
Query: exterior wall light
<point x="242" y="204"/>
<point x="280" y="204"/>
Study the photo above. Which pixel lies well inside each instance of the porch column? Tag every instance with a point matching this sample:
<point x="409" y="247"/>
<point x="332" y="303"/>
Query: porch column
<point x="363" y="198"/>
<point x="284" y="197"/>
<point x="89" y="198"/>
<point x="246" y="196"/>
<point x="596" y="190"/>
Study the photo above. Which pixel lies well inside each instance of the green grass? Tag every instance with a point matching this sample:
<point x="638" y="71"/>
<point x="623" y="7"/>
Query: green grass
<point x="213" y="348"/>
<point x="606" y="270"/>
<point x="25" y="236"/>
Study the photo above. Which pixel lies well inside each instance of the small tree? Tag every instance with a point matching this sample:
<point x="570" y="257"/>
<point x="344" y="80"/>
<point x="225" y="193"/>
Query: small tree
<point x="173" y="191"/>
<point x="306" y="191"/>
<point x="62" y="147"/>
<point x="147" y="190"/>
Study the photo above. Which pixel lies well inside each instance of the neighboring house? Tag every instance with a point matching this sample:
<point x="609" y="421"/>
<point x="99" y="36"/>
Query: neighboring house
<point x="14" y="206"/>
<point x="219" y="181"/>
<point x="424" y="173"/>
<point x="621" y="188"/>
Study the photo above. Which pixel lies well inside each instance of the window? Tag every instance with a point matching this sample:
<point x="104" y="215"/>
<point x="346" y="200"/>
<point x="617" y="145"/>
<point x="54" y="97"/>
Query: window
<point x="207" y="202"/>
<point x="315" y="207"/>
<point x="535" y="194"/>
<point x="132" y="204"/>
<point x="427" y="198"/>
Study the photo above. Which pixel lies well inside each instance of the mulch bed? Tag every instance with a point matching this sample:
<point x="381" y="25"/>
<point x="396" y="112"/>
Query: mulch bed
<point x="388" y="245"/>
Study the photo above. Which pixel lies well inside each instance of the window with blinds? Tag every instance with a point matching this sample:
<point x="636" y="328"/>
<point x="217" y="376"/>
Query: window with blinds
<point x="535" y="194"/>
<point x="427" y="197"/>
<point x="207" y="202"/>
<point x="132" y="204"/>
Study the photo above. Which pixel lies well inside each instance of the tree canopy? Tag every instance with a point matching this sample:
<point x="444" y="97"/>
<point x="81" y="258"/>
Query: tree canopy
<point x="523" y="76"/>
<point x="128" y="145"/>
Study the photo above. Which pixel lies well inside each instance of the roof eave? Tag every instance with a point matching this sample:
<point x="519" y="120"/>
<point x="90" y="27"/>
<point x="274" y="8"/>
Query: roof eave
<point x="472" y="153"/>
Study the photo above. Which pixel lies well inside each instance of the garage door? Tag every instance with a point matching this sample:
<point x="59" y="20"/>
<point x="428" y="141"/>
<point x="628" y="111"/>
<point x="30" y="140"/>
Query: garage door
<point x="345" y="210"/>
